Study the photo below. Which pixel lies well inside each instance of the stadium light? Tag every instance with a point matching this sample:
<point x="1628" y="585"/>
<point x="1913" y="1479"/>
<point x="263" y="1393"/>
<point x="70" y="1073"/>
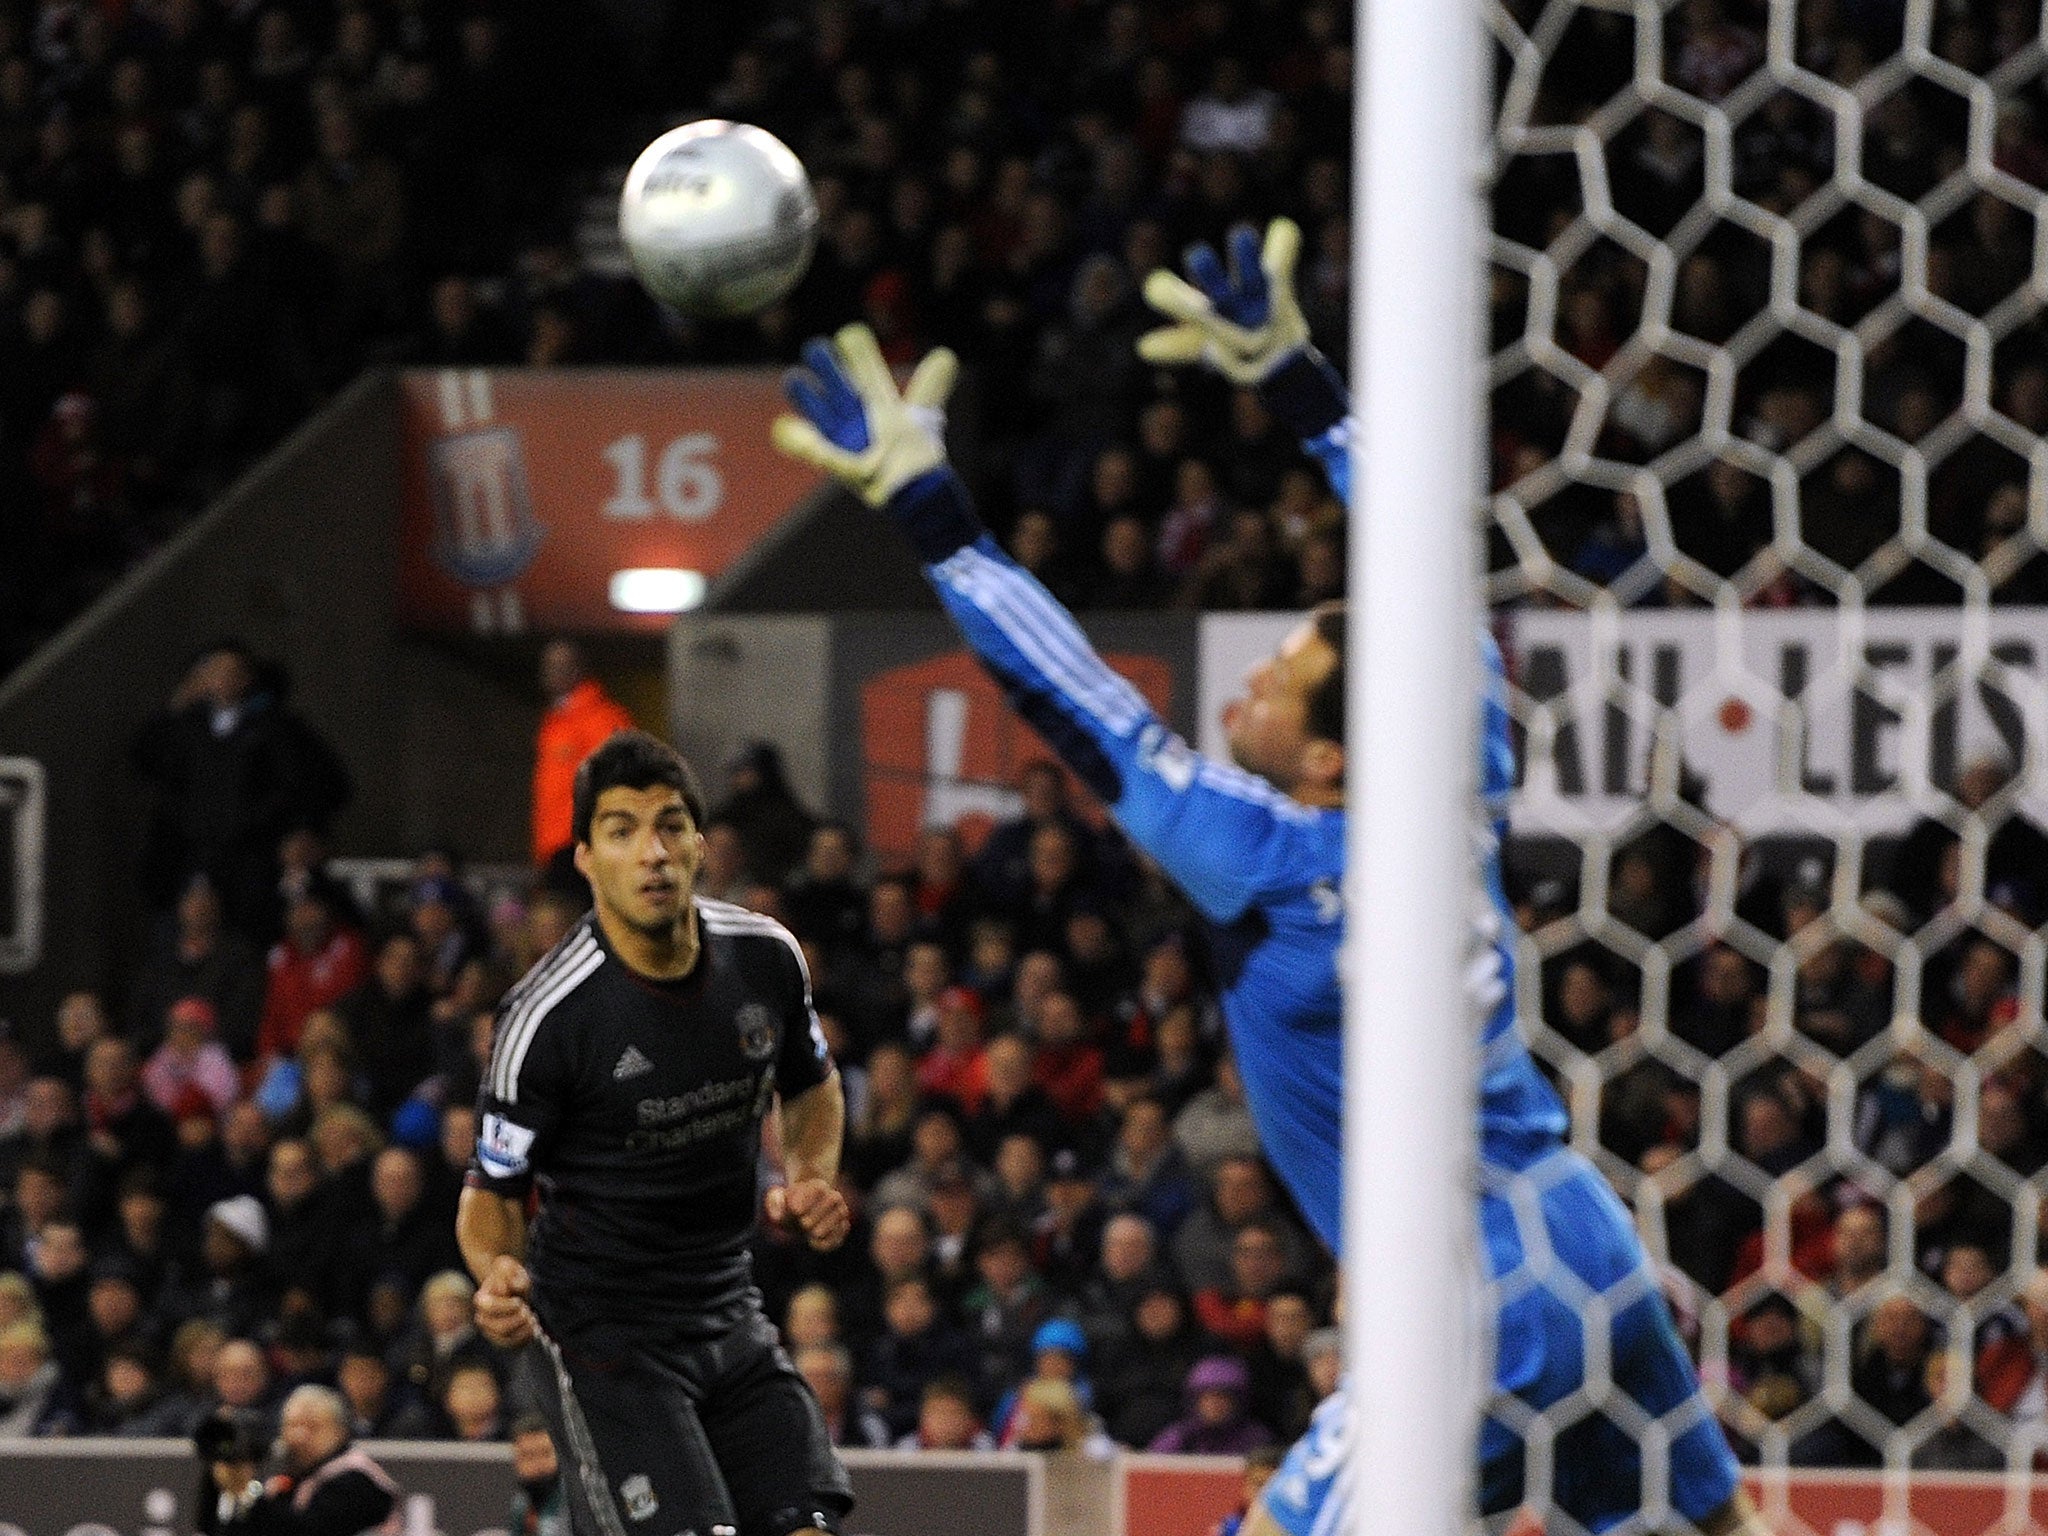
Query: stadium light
<point x="656" y="589"/>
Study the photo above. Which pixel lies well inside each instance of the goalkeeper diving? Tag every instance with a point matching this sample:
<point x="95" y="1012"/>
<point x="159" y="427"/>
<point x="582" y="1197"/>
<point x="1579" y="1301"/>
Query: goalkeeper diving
<point x="1258" y="846"/>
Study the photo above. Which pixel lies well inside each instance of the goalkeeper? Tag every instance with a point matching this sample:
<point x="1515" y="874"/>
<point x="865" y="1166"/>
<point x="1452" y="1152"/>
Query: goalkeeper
<point x="1258" y="847"/>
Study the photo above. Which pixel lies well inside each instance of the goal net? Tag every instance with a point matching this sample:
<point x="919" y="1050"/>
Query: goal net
<point x="1769" y="381"/>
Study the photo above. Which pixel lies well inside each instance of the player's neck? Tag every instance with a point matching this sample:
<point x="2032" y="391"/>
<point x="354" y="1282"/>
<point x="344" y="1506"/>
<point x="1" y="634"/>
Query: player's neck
<point x="668" y="955"/>
<point x="1322" y="797"/>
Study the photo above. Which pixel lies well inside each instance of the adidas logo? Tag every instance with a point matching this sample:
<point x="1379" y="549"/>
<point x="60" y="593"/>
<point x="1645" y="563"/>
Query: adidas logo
<point x="631" y="1064"/>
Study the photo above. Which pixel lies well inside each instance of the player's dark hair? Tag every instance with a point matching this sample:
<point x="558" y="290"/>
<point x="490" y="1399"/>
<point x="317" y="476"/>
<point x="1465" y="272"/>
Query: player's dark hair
<point x="1326" y="699"/>
<point x="528" y="1423"/>
<point x="632" y="760"/>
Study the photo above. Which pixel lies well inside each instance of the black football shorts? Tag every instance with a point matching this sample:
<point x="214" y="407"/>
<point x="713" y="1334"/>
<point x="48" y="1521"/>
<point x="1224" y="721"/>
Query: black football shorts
<point x="664" y="1433"/>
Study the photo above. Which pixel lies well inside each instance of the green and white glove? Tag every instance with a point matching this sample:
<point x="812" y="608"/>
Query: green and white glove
<point x="855" y="426"/>
<point x="1244" y="322"/>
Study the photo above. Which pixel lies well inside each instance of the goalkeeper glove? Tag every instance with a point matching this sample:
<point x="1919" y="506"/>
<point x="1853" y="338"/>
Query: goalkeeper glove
<point x="853" y="424"/>
<point x="1245" y="323"/>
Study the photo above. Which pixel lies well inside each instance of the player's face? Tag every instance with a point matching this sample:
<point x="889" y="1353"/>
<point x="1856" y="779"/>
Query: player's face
<point x="642" y="857"/>
<point x="1267" y="729"/>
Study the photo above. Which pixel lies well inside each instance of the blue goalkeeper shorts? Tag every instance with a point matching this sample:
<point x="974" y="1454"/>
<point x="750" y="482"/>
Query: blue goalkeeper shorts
<point x="1563" y="1258"/>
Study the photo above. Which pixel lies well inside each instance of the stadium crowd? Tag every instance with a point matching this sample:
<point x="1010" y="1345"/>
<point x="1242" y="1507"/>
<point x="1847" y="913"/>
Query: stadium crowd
<point x="212" y="215"/>
<point x="244" y="1178"/>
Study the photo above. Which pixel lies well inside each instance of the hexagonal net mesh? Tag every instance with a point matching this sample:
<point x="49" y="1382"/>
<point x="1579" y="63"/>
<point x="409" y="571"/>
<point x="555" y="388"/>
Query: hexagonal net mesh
<point x="1769" y="387"/>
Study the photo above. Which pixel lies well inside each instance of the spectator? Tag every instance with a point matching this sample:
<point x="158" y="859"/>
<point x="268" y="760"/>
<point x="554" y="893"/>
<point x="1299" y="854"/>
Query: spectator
<point x="1002" y="870"/>
<point x="576" y="720"/>
<point x="1052" y="1417"/>
<point x="81" y="1021"/>
<point x="472" y="1404"/>
<point x="233" y="770"/>
<point x="1889" y="1377"/>
<point x="915" y="1349"/>
<point x="331" y="1486"/>
<point x="1216" y="1124"/>
<point x="828" y="1370"/>
<point x="1146" y="1173"/>
<point x="1259" y="1467"/>
<point x="936" y="1145"/>
<point x="1281" y="1395"/>
<point x="1066" y="1066"/>
<point x="443" y="922"/>
<point x="234" y="1289"/>
<point x="193" y="1356"/>
<point x="825" y="902"/>
<point x="241" y="1383"/>
<point x="1140" y="1381"/>
<point x="539" y="1503"/>
<point x="812" y="1317"/>
<point x="35" y="1400"/>
<point x="49" y="1133"/>
<point x="1236" y="1313"/>
<point x="196" y="955"/>
<point x="946" y="1420"/>
<point x="1068" y="1233"/>
<point x="400" y="1236"/>
<point x="954" y="1207"/>
<point x="955" y="1067"/>
<point x="2017" y="851"/>
<point x="128" y="1399"/>
<point x="1012" y="1102"/>
<point x="1004" y="1310"/>
<point x="1240" y="1192"/>
<point x="315" y="965"/>
<point x="191" y="1065"/>
<point x="123" y="1129"/>
<point x="899" y="1248"/>
<point x="773" y="826"/>
<point x="1955" y="1445"/>
<point x="878" y="1133"/>
<point x="1059" y="1352"/>
<point x="2012" y="1372"/>
<point x="1860" y="1248"/>
<point x="388" y="1022"/>
<point x="1215" y="1422"/>
<point x="1128" y="1265"/>
<point x="379" y="1408"/>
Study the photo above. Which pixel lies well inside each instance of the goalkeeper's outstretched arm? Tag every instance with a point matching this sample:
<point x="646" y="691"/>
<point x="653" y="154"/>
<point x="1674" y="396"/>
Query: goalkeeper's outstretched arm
<point x="1207" y="823"/>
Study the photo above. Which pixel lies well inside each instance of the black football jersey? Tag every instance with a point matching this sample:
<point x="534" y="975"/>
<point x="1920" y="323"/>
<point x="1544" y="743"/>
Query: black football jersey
<point x="635" y="1106"/>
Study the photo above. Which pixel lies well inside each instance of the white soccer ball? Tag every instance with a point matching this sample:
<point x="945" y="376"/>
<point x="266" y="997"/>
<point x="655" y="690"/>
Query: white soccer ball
<point x="718" y="218"/>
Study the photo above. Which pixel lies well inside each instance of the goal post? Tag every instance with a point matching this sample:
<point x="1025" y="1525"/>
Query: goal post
<point x="1411" y="767"/>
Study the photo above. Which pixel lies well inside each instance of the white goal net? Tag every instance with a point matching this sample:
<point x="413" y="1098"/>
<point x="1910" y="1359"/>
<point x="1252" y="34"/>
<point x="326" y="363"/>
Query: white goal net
<point x="1769" y="383"/>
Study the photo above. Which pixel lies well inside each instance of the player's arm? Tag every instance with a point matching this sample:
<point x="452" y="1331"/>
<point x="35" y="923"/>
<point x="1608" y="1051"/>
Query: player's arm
<point x="813" y="1125"/>
<point x="516" y="1117"/>
<point x="1205" y="823"/>
<point x="810" y="1204"/>
<point x="1241" y="319"/>
<point x="491" y="1230"/>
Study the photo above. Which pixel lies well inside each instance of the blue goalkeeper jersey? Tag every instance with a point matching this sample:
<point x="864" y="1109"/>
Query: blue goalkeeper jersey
<point x="1265" y="872"/>
<point x="1520" y="1115"/>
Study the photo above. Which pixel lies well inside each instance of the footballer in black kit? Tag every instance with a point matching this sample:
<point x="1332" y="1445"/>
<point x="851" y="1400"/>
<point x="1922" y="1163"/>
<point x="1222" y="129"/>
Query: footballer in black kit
<point x="629" y="1078"/>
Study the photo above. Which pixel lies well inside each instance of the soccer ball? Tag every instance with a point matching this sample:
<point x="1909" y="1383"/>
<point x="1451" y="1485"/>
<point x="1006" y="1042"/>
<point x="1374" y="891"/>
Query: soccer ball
<point x="718" y="218"/>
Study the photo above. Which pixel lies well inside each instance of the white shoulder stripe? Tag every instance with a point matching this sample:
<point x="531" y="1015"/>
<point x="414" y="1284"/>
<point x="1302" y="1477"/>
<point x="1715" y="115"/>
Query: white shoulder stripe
<point x="1048" y="639"/>
<point x="723" y="917"/>
<point x="567" y="951"/>
<point x="549" y="986"/>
